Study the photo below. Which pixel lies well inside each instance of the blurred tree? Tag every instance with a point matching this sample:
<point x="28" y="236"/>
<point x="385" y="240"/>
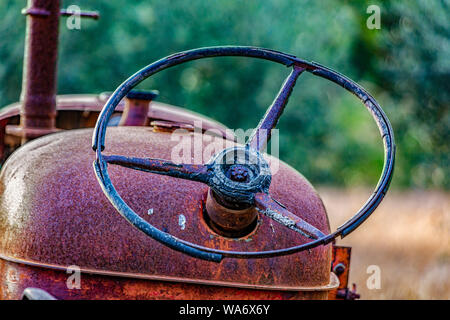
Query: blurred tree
<point x="409" y="60"/>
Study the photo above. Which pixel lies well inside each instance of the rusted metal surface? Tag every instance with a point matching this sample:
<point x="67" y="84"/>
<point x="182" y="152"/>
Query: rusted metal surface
<point x="89" y="105"/>
<point x="83" y="14"/>
<point x="81" y="111"/>
<point x="227" y="221"/>
<point x="38" y="97"/>
<point x="235" y="195"/>
<point x="341" y="267"/>
<point x="39" y="70"/>
<point x="62" y="217"/>
<point x="239" y="173"/>
<point x="42" y="12"/>
<point x="30" y="133"/>
<point x="348" y="294"/>
<point x="135" y="113"/>
<point x="137" y="105"/>
<point x="169" y="126"/>
<point x="113" y="286"/>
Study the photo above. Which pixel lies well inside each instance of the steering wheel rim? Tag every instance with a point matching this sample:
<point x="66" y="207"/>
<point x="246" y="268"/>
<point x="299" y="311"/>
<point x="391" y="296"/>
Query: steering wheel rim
<point x="298" y="65"/>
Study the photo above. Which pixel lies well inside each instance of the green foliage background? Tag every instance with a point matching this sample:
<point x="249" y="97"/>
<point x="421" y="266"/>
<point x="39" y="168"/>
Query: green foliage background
<point x="325" y="133"/>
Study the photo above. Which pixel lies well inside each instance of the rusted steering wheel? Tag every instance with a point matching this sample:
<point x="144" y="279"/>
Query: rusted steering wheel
<point x="254" y="189"/>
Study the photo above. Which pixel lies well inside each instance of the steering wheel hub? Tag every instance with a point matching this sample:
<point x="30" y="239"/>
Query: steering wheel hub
<point x="238" y="173"/>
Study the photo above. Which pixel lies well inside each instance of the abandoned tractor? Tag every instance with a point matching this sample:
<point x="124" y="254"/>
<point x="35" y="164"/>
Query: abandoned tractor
<point x="88" y="184"/>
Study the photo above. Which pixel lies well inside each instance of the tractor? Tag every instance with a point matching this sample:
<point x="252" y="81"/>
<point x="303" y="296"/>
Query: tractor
<point x="89" y="188"/>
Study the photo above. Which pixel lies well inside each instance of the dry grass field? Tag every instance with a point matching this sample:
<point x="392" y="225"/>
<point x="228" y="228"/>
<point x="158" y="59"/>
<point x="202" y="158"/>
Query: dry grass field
<point x="408" y="237"/>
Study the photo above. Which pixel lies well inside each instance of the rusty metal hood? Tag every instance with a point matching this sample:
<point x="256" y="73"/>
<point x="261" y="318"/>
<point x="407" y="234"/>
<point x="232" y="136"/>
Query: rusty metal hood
<point x="54" y="214"/>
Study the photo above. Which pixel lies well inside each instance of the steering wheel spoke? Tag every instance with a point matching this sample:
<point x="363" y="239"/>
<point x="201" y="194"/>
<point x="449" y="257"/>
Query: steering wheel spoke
<point x="261" y="135"/>
<point x="194" y="172"/>
<point x="275" y="211"/>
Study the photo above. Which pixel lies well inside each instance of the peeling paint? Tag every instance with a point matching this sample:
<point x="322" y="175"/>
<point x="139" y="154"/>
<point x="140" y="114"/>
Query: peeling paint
<point x="182" y="221"/>
<point x="271" y="226"/>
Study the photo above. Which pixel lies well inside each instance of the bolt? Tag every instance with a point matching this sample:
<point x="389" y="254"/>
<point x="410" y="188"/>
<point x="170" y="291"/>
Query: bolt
<point x="339" y="268"/>
<point x="238" y="173"/>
